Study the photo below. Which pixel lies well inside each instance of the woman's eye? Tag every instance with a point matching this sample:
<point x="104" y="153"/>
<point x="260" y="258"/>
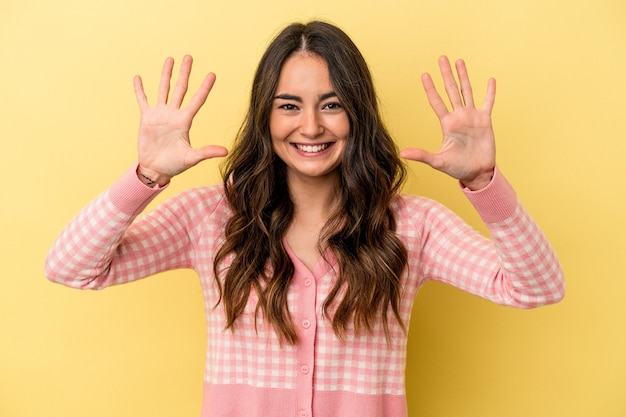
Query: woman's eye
<point x="288" y="106"/>
<point x="332" y="106"/>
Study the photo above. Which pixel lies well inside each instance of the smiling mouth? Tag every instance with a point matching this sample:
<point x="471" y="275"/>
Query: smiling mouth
<point x="312" y="148"/>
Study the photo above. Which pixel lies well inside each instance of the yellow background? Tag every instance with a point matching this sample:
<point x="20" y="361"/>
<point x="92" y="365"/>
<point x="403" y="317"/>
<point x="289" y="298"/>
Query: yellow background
<point x="68" y="121"/>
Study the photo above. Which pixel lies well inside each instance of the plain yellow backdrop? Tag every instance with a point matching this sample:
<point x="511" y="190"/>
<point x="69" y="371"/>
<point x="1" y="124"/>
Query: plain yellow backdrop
<point x="68" y="121"/>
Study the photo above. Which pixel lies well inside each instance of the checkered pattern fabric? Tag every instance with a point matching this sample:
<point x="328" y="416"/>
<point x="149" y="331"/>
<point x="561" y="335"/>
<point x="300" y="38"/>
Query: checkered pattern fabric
<point x="107" y="244"/>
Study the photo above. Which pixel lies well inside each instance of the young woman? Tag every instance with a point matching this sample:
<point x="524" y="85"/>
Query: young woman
<point x="309" y="255"/>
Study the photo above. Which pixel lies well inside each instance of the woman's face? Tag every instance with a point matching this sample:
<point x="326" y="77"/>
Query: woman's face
<point x="308" y="125"/>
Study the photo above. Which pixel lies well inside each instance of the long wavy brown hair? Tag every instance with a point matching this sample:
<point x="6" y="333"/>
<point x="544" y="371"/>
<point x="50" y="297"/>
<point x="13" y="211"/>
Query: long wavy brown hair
<point x="361" y="232"/>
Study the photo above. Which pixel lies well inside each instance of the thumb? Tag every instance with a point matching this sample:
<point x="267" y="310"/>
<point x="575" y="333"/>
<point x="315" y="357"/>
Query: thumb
<point x="213" y="151"/>
<point x="419" y="155"/>
<point x="206" y="152"/>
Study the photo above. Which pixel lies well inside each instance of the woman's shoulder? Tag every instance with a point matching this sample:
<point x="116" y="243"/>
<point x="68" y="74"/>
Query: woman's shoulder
<point x="413" y="212"/>
<point x="202" y="201"/>
<point x="414" y="205"/>
<point x="213" y="192"/>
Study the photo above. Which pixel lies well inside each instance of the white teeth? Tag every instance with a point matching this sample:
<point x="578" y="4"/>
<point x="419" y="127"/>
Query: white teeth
<point x="312" y="148"/>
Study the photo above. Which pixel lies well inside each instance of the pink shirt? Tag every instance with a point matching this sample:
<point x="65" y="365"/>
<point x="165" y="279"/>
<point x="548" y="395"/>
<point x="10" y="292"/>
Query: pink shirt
<point x="248" y="373"/>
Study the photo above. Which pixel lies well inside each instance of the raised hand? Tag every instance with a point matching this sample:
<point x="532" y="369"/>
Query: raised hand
<point x="468" y="151"/>
<point x="164" y="148"/>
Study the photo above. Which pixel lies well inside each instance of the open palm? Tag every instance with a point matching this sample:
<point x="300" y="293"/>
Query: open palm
<point x="164" y="147"/>
<point x="467" y="151"/>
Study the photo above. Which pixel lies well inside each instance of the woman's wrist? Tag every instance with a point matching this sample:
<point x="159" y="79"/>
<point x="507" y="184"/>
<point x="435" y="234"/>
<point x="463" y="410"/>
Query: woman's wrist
<point x="151" y="178"/>
<point x="479" y="182"/>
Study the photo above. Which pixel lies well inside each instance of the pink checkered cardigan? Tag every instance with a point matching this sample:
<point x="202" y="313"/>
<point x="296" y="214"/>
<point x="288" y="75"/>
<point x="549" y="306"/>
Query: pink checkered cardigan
<point x="248" y="372"/>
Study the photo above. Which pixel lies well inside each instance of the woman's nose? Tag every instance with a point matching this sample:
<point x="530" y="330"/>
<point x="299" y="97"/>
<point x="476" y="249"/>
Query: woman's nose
<point x="311" y="126"/>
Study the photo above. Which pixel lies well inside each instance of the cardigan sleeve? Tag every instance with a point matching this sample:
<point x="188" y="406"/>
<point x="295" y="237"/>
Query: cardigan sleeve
<point x="107" y="244"/>
<point x="516" y="267"/>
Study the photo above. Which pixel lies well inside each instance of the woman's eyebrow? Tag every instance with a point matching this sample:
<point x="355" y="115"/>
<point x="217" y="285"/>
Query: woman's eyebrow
<point x="286" y="96"/>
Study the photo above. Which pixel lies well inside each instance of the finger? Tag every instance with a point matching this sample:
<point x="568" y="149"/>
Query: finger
<point x="140" y="94"/>
<point x="466" y="87"/>
<point x="199" y="98"/>
<point x="419" y="155"/>
<point x="431" y="159"/>
<point x="434" y="99"/>
<point x="449" y="82"/>
<point x="201" y="154"/>
<point x="490" y="98"/>
<point x="164" y="85"/>
<point x="213" y="151"/>
<point x="183" y="81"/>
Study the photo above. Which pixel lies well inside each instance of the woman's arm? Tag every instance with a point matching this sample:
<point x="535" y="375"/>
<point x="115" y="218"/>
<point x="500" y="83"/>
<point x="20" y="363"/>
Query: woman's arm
<point x="104" y="245"/>
<point x="516" y="267"/>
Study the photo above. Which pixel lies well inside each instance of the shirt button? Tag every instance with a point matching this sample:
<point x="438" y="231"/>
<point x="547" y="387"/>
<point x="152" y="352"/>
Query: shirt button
<point x="308" y="282"/>
<point x="303" y="413"/>
<point x="306" y="323"/>
<point x="304" y="369"/>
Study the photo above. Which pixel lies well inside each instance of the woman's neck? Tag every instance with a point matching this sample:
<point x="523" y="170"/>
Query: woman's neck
<point x="314" y="199"/>
<point x="314" y="202"/>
